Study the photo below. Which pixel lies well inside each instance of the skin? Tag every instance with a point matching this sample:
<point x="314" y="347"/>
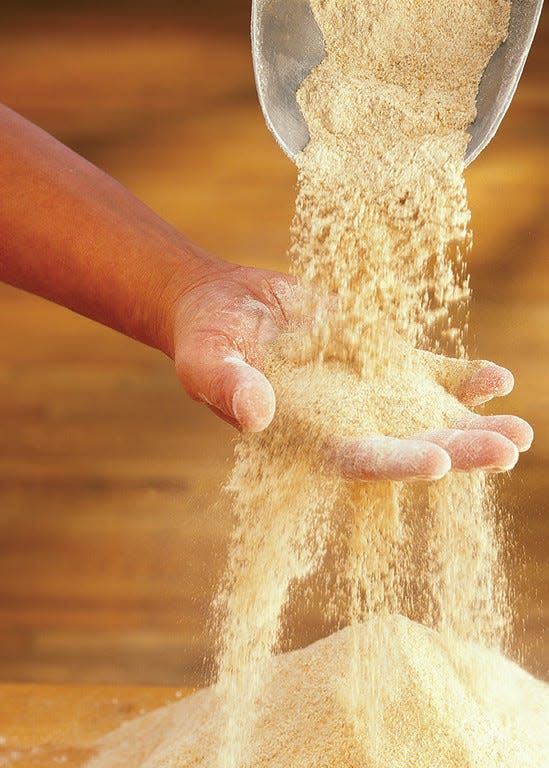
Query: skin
<point x="73" y="235"/>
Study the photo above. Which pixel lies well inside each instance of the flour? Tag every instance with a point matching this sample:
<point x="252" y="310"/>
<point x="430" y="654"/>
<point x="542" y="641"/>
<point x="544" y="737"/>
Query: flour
<point x="456" y="707"/>
<point x="381" y="228"/>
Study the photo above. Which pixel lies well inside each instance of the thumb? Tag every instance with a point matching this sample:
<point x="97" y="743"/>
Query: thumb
<point x="234" y="389"/>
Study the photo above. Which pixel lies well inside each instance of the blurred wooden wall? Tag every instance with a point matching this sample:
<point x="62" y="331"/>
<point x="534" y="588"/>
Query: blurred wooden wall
<point x="111" y="534"/>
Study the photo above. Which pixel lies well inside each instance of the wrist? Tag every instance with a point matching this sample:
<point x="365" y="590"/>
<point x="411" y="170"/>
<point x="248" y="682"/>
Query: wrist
<point x="187" y="268"/>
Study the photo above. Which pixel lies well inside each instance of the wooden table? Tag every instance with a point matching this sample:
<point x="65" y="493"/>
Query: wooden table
<point x="42" y="726"/>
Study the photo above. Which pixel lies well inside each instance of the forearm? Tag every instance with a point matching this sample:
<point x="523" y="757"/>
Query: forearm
<point x="70" y="233"/>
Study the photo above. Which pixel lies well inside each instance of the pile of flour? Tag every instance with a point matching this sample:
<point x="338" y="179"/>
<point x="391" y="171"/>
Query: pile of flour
<point x="378" y="240"/>
<point x="453" y="707"/>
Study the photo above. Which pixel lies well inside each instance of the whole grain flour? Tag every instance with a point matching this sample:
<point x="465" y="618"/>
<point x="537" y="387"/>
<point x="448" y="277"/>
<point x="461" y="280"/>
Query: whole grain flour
<point x="454" y="707"/>
<point x="378" y="240"/>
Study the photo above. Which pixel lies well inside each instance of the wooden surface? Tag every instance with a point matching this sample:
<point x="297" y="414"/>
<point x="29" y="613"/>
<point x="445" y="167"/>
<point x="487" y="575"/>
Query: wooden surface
<point x="111" y="534"/>
<point x="42" y="726"/>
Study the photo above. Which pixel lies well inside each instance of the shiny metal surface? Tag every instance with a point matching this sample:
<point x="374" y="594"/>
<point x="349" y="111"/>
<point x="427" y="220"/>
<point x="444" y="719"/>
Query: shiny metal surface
<point x="287" y="44"/>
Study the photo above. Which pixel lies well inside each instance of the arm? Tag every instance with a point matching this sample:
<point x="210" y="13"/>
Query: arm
<point x="72" y="234"/>
<point x="75" y="236"/>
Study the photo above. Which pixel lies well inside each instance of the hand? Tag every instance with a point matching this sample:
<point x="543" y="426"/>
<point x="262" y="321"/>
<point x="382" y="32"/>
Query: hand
<point x="488" y="443"/>
<point x="223" y="325"/>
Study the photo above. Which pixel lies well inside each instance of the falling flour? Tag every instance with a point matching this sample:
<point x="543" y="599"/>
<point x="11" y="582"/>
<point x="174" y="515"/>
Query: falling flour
<point x="378" y="240"/>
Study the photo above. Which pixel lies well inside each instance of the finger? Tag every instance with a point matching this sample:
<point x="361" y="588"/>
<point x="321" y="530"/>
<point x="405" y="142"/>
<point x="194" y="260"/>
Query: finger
<point x="252" y="396"/>
<point x="387" y="458"/>
<point x="473" y="382"/>
<point x="228" y="384"/>
<point x="513" y="428"/>
<point x="475" y="449"/>
<point x="483" y="382"/>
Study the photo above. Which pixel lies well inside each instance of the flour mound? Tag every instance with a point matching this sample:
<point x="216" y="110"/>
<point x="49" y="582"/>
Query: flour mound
<point x="446" y="706"/>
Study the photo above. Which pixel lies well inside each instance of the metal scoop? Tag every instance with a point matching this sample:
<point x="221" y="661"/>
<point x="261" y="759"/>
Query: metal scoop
<point x="287" y="44"/>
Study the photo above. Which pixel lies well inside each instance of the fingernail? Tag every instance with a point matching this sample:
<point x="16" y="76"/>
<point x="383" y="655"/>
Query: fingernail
<point x="439" y="464"/>
<point x="498" y="470"/>
<point x="506" y="467"/>
<point x="253" y="406"/>
<point x="489" y="382"/>
<point x="433" y="477"/>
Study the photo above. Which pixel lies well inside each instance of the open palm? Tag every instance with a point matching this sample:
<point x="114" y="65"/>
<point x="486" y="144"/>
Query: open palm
<point x="223" y="326"/>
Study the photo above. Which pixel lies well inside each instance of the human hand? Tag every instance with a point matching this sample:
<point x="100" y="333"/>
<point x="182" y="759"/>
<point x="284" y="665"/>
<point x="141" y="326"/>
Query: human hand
<point x="223" y="325"/>
<point x="474" y="442"/>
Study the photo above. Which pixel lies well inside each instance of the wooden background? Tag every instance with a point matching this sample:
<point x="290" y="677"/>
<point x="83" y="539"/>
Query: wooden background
<point x="110" y="538"/>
